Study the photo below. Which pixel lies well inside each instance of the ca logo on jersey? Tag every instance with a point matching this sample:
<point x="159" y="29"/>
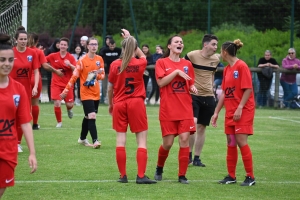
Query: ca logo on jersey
<point x="29" y="58"/>
<point x="16" y="98"/>
<point x="98" y="63"/>
<point x="23" y="72"/>
<point x="235" y="74"/>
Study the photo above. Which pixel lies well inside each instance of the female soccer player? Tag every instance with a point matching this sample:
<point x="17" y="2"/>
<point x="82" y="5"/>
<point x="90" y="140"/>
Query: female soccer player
<point x="14" y="107"/>
<point x="65" y="62"/>
<point x="175" y="77"/>
<point x="126" y="95"/>
<point x="33" y="40"/>
<point x="26" y="63"/>
<point x="238" y="99"/>
<point x="90" y="69"/>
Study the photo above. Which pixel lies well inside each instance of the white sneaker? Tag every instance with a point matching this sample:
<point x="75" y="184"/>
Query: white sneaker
<point x="59" y="125"/>
<point x="20" y="150"/>
<point x="70" y="114"/>
<point x="97" y="144"/>
<point x="146" y="101"/>
<point x="84" y="142"/>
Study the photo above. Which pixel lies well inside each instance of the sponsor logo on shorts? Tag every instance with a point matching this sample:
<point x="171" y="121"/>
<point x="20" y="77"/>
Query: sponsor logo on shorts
<point x="236" y="130"/>
<point x="168" y="69"/>
<point x="8" y="181"/>
<point x="191" y="127"/>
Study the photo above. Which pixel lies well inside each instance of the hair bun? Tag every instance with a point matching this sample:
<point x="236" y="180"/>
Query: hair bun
<point x="4" y="39"/>
<point x="21" y="28"/>
<point x="238" y="43"/>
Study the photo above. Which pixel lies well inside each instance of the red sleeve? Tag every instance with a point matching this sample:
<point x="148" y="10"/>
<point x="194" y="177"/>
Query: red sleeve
<point x="246" y="79"/>
<point x="49" y="58"/>
<point x="112" y="72"/>
<point x="23" y="111"/>
<point x="42" y="57"/>
<point x="36" y="61"/>
<point x="159" y="69"/>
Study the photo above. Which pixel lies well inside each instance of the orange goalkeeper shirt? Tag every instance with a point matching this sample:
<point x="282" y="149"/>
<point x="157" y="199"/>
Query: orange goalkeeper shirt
<point x="83" y="67"/>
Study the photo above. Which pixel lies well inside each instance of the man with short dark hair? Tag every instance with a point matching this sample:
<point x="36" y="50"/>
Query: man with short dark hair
<point x="109" y="54"/>
<point x="205" y="63"/>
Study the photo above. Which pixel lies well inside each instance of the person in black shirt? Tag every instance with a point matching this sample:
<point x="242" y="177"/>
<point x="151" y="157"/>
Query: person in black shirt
<point x="267" y="64"/>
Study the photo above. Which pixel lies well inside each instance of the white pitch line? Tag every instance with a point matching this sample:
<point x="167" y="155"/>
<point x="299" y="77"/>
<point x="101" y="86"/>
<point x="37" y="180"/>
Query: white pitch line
<point x="284" y="119"/>
<point x="111" y="181"/>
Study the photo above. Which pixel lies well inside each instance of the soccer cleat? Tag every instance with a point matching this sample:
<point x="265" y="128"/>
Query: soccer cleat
<point x="84" y="142"/>
<point x="190" y="161"/>
<point x="59" y="125"/>
<point x="198" y="163"/>
<point x="70" y="114"/>
<point x="158" y="173"/>
<point x="20" y="149"/>
<point x="183" y="180"/>
<point x="144" y="180"/>
<point x="123" y="179"/>
<point x="228" y="180"/>
<point x="248" y="181"/>
<point x="35" y="127"/>
<point x="97" y="144"/>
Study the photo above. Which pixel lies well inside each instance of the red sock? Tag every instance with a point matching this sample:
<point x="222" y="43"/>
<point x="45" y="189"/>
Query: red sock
<point x="35" y="113"/>
<point x="57" y="112"/>
<point x="231" y="160"/>
<point x="20" y="133"/>
<point x="162" y="156"/>
<point x="141" y="159"/>
<point x="247" y="160"/>
<point x="121" y="160"/>
<point x="183" y="160"/>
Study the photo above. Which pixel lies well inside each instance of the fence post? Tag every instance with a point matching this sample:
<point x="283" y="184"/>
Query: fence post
<point x="276" y="93"/>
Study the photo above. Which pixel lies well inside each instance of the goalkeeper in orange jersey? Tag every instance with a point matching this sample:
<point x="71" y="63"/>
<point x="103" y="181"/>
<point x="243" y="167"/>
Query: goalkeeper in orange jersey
<point x="90" y="69"/>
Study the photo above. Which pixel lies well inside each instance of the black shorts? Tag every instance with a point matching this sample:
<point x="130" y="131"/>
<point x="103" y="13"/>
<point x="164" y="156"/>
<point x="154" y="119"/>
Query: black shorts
<point x="90" y="106"/>
<point x="203" y="108"/>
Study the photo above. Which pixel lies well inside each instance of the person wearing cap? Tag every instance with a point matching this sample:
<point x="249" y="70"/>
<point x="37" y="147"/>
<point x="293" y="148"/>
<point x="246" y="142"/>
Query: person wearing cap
<point x="83" y="42"/>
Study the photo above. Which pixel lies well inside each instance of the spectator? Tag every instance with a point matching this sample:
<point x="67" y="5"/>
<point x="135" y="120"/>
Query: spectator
<point x="218" y="78"/>
<point x="287" y="80"/>
<point x="106" y="45"/>
<point x="267" y="64"/>
<point x="205" y="62"/>
<point x="155" y="89"/>
<point x="52" y="49"/>
<point x="238" y="98"/>
<point x="110" y="54"/>
<point x="146" y="51"/>
<point x="175" y="77"/>
<point x="77" y="54"/>
<point x="83" y="42"/>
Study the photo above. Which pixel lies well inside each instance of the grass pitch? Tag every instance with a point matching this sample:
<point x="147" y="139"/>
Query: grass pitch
<point x="67" y="170"/>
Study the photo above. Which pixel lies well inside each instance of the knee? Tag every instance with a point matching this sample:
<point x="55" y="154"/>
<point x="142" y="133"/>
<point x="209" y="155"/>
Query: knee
<point x="92" y="115"/>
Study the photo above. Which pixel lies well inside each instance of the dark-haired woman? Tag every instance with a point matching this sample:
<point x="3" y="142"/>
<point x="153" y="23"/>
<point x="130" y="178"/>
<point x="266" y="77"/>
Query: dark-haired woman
<point x="126" y="95"/>
<point x="14" y="107"/>
<point x="35" y="109"/>
<point x="175" y="77"/>
<point x="149" y="57"/>
<point x="64" y="62"/>
<point x="78" y="53"/>
<point x="26" y="63"/>
<point x="238" y="99"/>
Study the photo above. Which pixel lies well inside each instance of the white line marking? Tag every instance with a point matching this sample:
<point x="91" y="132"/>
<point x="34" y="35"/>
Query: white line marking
<point x="284" y="119"/>
<point x="110" y="181"/>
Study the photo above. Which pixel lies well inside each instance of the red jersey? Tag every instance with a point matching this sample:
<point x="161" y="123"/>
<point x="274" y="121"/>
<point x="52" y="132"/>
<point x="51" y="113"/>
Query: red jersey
<point x="14" y="107"/>
<point x="83" y="67"/>
<point x="236" y="79"/>
<point x="57" y="62"/>
<point x="176" y="101"/>
<point x="129" y="83"/>
<point x="24" y="65"/>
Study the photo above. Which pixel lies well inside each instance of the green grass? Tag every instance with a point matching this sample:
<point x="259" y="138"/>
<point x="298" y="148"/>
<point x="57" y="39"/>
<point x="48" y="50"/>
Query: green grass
<point x="67" y="170"/>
